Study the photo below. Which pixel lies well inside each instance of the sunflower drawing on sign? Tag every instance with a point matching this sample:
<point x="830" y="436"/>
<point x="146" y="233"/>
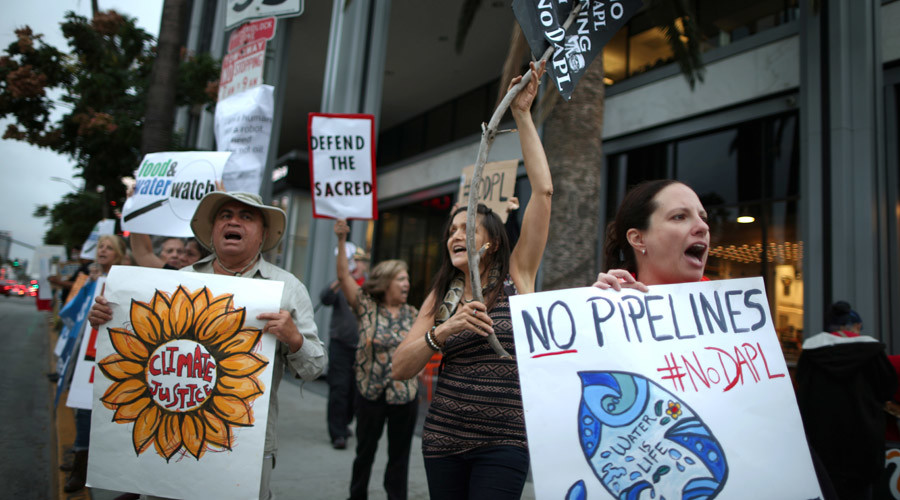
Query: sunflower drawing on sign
<point x="185" y="374"/>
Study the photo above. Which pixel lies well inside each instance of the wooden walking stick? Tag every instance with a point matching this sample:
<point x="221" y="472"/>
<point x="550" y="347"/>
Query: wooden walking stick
<point x="488" y="134"/>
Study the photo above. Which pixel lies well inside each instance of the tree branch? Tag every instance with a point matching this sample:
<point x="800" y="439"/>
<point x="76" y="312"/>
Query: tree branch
<point x="487" y="138"/>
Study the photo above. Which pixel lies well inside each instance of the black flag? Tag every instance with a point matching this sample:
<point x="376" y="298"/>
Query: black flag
<point x="574" y="49"/>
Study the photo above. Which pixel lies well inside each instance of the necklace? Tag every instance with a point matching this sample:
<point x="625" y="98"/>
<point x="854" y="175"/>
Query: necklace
<point x="241" y="272"/>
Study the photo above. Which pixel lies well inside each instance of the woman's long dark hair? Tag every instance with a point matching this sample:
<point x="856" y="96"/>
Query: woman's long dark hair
<point x="497" y="255"/>
<point x="634" y="212"/>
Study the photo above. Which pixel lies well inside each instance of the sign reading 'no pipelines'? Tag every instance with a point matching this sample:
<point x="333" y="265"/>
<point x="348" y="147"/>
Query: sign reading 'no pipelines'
<point x="342" y="165"/>
<point x="575" y="48"/>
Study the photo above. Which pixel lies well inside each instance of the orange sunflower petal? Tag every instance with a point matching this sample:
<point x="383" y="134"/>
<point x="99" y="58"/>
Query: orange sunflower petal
<point x="223" y="326"/>
<point x="242" y="365"/>
<point x="168" y="436"/>
<point x="130" y="412"/>
<point x="232" y="410"/>
<point x="128" y="345"/>
<point x="246" y="388"/>
<point x="193" y="433"/>
<point x="124" y="392"/>
<point x="200" y="299"/>
<point x="147" y="324"/>
<point x="217" y="306"/>
<point x="243" y="341"/>
<point x="117" y="367"/>
<point x="181" y="313"/>
<point x="160" y="303"/>
<point x="217" y="431"/>
<point x="145" y="428"/>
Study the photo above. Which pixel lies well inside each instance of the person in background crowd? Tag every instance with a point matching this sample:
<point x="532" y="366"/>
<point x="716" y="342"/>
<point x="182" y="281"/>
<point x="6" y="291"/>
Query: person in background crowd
<point x="142" y="248"/>
<point x="110" y="252"/>
<point x="343" y="339"/>
<point x="844" y="380"/>
<point x="65" y="284"/>
<point x="474" y="438"/>
<point x="237" y="227"/>
<point x="384" y="320"/>
<point x="171" y="251"/>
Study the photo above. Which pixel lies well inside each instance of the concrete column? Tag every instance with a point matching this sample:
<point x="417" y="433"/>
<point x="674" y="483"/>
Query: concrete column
<point x="854" y="104"/>
<point x="354" y="74"/>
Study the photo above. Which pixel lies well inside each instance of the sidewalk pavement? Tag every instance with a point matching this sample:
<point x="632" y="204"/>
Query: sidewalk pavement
<point x="308" y="467"/>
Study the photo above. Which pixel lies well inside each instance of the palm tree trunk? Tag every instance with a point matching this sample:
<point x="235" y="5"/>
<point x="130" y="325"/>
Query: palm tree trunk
<point x="159" y="116"/>
<point x="573" y="141"/>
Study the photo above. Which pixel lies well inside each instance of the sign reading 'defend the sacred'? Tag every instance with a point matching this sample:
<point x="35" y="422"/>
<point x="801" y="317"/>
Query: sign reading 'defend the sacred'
<point x="182" y="384"/>
<point x="342" y="166"/>
<point x="238" y="11"/>
<point x="575" y="48"/>
<point x="681" y="392"/>
<point x="497" y="187"/>
<point x="168" y="189"/>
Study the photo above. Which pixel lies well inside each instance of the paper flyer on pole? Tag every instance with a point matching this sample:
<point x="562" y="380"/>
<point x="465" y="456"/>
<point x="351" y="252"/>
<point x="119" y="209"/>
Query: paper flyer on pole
<point x="81" y="388"/>
<point x="342" y="165"/>
<point x="681" y="392"/>
<point x="181" y="394"/>
<point x="89" y="247"/>
<point x="243" y="125"/>
<point x="168" y="187"/>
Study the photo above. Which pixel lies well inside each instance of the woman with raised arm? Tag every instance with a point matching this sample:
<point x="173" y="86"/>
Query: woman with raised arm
<point x="384" y="320"/>
<point x="474" y="438"/>
<point x="660" y="236"/>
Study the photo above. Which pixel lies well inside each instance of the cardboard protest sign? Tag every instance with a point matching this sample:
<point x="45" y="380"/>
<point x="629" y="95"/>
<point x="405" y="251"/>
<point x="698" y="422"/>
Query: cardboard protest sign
<point x="89" y="247"/>
<point x="681" y="392"/>
<point x="81" y="389"/>
<point x="46" y="256"/>
<point x="168" y="187"/>
<point x="342" y="165"/>
<point x="498" y="186"/>
<point x="575" y="48"/>
<point x="243" y="125"/>
<point x="181" y="395"/>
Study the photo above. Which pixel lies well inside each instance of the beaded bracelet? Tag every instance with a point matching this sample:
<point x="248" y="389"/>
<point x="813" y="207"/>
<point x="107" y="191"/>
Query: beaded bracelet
<point x="430" y="342"/>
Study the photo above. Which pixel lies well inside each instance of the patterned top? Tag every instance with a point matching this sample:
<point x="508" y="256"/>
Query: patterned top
<point x="379" y="335"/>
<point x="478" y="401"/>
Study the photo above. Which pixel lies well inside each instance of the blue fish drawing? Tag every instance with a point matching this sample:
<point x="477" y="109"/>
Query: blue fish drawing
<point x="643" y="442"/>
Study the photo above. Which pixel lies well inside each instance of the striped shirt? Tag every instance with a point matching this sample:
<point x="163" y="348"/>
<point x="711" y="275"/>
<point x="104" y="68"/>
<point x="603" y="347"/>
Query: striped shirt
<point x="478" y="401"/>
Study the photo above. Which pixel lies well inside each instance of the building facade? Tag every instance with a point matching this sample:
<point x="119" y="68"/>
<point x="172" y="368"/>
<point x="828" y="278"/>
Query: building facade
<point x="790" y="140"/>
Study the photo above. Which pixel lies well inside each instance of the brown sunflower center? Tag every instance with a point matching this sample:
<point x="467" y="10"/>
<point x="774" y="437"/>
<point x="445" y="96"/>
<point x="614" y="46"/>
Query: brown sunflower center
<point x="181" y="375"/>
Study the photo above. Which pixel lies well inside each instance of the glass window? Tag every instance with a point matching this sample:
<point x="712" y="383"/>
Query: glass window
<point x="640" y="46"/>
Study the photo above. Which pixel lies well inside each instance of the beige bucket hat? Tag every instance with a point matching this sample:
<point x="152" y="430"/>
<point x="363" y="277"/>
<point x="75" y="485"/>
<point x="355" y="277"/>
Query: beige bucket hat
<point x="202" y="222"/>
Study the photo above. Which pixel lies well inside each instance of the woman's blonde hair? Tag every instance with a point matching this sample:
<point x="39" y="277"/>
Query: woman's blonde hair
<point x="381" y="277"/>
<point x="118" y="245"/>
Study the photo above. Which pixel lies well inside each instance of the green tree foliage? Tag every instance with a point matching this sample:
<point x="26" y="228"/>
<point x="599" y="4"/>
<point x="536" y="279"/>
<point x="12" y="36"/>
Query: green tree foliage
<point x="102" y="84"/>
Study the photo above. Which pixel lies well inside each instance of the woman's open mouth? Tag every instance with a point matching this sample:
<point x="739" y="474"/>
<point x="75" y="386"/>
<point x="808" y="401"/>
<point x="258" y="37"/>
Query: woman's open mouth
<point x="696" y="252"/>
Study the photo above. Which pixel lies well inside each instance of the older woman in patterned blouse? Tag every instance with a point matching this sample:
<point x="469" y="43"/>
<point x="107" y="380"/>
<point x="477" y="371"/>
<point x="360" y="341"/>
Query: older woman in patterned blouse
<point x="384" y="320"/>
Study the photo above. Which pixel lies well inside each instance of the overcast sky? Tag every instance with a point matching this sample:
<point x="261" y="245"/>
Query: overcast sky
<point x="26" y="170"/>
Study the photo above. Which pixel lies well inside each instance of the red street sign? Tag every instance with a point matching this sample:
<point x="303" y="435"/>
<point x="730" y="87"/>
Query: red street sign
<point x="261" y="29"/>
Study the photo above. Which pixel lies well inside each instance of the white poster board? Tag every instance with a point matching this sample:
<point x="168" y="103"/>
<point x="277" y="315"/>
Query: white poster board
<point x="243" y="125"/>
<point x="181" y="396"/>
<point x="81" y="388"/>
<point x="46" y="256"/>
<point x="497" y="187"/>
<point x="89" y="247"/>
<point x="342" y="165"/>
<point x="168" y="187"/>
<point x="680" y="391"/>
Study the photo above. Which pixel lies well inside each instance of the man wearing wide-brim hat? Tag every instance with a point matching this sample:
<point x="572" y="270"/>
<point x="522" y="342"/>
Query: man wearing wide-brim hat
<point x="237" y="228"/>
